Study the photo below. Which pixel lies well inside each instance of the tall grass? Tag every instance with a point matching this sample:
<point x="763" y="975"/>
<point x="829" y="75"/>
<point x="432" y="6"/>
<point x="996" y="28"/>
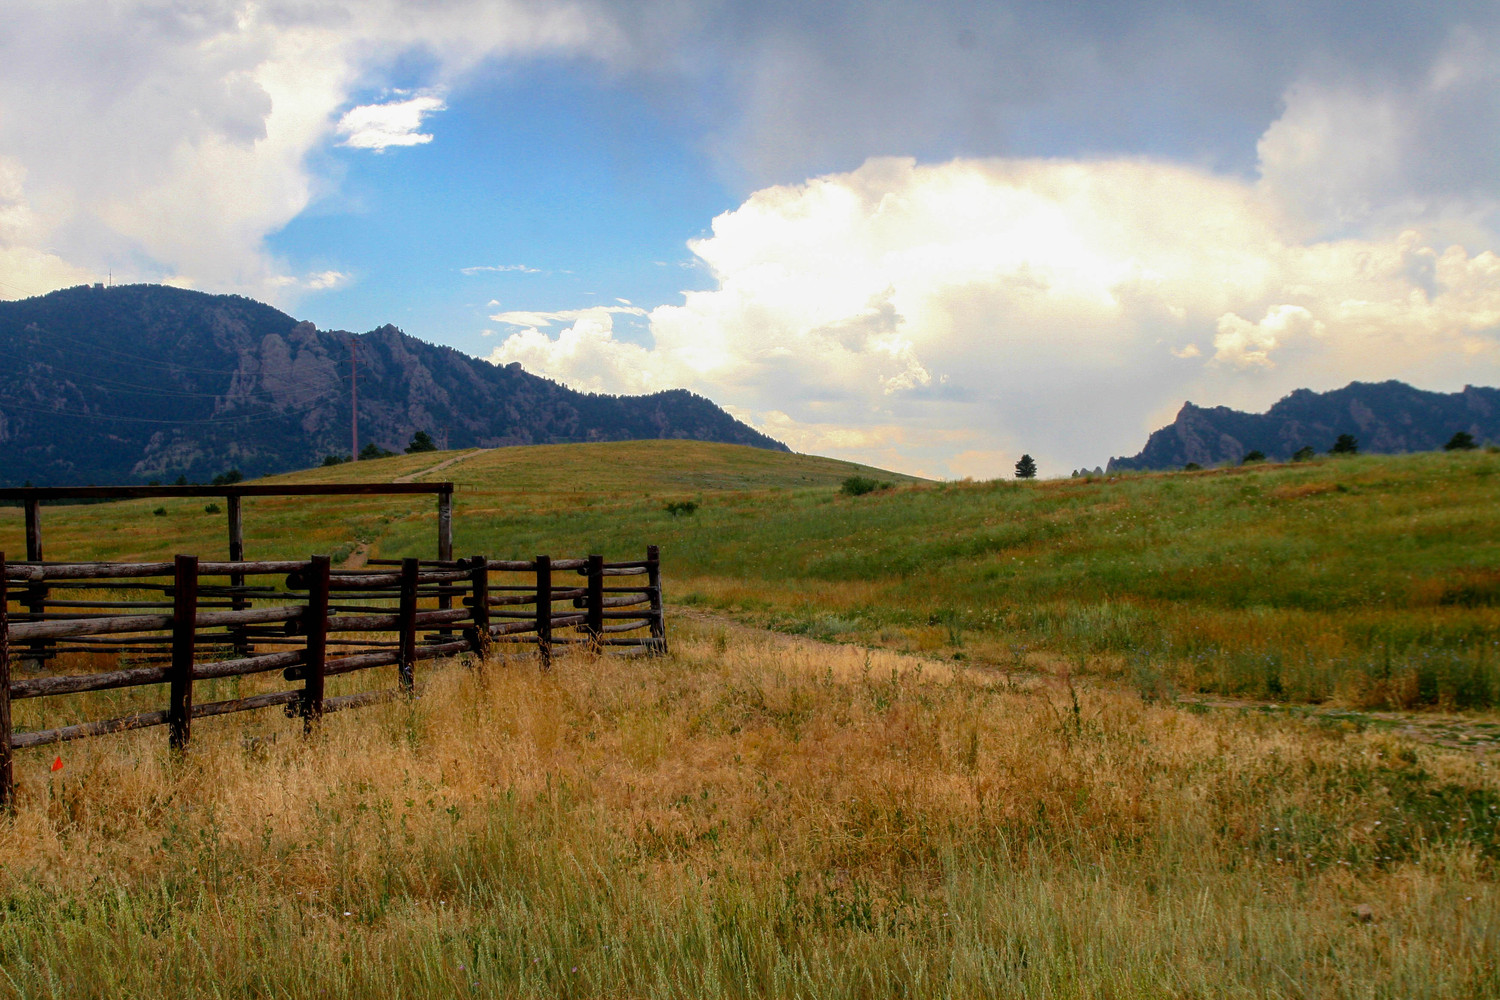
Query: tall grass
<point x="765" y="818"/>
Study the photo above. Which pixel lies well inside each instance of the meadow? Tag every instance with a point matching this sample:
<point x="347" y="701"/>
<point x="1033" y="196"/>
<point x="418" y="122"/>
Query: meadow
<point x="1367" y="581"/>
<point x="943" y="739"/>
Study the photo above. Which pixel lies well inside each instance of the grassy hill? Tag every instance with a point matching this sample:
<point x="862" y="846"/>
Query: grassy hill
<point x="1370" y="580"/>
<point x="757" y="815"/>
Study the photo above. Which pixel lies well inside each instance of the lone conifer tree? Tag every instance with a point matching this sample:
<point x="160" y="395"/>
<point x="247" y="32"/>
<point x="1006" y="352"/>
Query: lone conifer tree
<point x="1026" y="468"/>
<point x="420" y="441"/>
<point x="1461" y="441"/>
<point x="1347" y="444"/>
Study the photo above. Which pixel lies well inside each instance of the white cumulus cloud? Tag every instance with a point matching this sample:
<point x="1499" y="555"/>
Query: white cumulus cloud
<point x="394" y="123"/>
<point x="949" y="316"/>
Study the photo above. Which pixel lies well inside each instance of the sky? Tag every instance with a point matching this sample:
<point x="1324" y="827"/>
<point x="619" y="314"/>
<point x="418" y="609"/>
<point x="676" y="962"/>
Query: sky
<point x="929" y="236"/>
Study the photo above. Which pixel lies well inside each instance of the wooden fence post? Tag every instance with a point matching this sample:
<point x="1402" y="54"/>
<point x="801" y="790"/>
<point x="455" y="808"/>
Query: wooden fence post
<point x="317" y="642"/>
<point x="593" y="623"/>
<point x="658" y="616"/>
<point x="479" y="598"/>
<point x="237" y="554"/>
<point x="36" y="593"/>
<point x="445" y="550"/>
<point x="544" y="610"/>
<point x="7" y="772"/>
<point x="407" y="624"/>
<point x="184" y="639"/>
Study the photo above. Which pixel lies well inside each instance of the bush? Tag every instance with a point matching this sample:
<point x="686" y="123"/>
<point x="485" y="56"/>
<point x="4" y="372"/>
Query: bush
<point x="420" y="441"/>
<point x="1347" y="444"/>
<point x="1461" y="441"/>
<point x="1192" y="467"/>
<point x="1254" y="455"/>
<point x="335" y="459"/>
<point x="684" y="507"/>
<point x="858" y="486"/>
<point x="228" y="478"/>
<point x="1303" y="453"/>
<point x="160" y="512"/>
<point x="210" y="508"/>
<point x="373" y="451"/>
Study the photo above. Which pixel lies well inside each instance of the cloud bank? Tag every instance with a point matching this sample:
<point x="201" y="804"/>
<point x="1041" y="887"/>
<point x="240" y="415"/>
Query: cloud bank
<point x="167" y="141"/>
<point x="943" y="318"/>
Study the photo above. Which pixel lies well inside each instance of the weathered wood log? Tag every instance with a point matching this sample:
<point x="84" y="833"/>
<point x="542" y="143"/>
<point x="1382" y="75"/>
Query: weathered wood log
<point x="512" y="628"/>
<point x="39" y="687"/>
<point x="441" y="649"/>
<point x="614" y="602"/>
<point x="30" y="493"/>
<point x="37" y="738"/>
<point x="510" y="566"/>
<point x="247" y="665"/>
<point x="627" y="626"/>
<point x="116" y="571"/>
<point x="622" y="614"/>
<point x="115" y="624"/>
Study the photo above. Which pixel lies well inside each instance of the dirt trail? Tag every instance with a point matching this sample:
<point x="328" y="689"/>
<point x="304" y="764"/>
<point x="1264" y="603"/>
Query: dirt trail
<point x="412" y="477"/>
<point x="1479" y="736"/>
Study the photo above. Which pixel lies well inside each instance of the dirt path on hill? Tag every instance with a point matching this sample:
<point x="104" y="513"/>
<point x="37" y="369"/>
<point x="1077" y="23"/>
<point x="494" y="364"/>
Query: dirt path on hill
<point x="412" y="477"/>
<point x="1474" y="735"/>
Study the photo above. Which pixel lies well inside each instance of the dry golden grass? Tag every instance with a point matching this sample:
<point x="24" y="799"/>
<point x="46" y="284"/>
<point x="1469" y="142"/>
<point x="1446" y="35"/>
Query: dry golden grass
<point x="753" y="816"/>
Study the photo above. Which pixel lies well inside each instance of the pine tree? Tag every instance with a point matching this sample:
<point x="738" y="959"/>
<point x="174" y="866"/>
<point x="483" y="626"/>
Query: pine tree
<point x="1347" y="444"/>
<point x="1026" y="468"/>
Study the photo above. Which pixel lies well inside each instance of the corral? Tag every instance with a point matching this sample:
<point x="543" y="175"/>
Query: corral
<point x="190" y="621"/>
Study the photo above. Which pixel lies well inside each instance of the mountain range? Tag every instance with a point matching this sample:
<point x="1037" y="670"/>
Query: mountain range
<point x="1384" y="417"/>
<point x="146" y="382"/>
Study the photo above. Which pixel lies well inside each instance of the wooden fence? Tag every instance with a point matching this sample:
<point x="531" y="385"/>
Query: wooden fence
<point x="186" y="621"/>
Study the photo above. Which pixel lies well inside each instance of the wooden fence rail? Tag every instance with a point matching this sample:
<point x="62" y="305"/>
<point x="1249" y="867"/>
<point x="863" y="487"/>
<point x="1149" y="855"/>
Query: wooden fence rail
<point x="339" y="622"/>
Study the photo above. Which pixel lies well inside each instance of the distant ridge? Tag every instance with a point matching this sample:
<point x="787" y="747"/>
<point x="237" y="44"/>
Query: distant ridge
<point x="1386" y="417"/>
<point x="144" y="382"/>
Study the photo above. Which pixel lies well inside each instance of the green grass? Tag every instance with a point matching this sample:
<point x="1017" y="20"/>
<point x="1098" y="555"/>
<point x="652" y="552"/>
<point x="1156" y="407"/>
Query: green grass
<point x="1369" y="580"/>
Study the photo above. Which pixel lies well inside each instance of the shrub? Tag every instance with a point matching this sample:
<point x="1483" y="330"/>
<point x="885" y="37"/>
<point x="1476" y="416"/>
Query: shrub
<point x="335" y="459"/>
<point x="210" y="508"/>
<point x="1192" y="467"/>
<point x="685" y="507"/>
<point x="858" y="486"/>
<point x="160" y="512"/>
<point x="1461" y="441"/>
<point x="228" y="478"/>
<point x="1347" y="444"/>
<point x="420" y="441"/>
<point x="1254" y="455"/>
<point x="373" y="451"/>
<point x="1026" y="468"/>
<point x="1303" y="453"/>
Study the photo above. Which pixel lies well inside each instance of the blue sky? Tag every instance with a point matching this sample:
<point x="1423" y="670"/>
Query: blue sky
<point x="927" y="235"/>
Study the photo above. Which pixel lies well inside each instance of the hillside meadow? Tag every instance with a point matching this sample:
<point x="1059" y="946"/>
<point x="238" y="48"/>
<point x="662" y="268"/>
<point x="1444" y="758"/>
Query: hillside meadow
<point x="959" y="759"/>
<point x="1370" y="581"/>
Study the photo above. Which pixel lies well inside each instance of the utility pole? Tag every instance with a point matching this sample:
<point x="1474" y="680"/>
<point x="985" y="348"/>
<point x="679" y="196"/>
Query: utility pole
<point x="353" y="400"/>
